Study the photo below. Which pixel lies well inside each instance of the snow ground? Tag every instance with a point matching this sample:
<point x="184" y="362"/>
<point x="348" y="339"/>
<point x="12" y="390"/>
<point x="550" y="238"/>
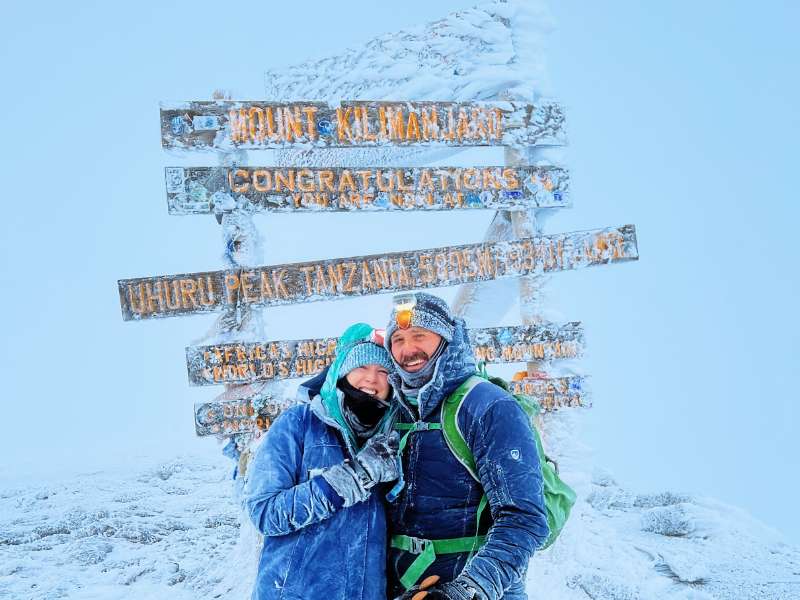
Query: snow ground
<point x="172" y="531"/>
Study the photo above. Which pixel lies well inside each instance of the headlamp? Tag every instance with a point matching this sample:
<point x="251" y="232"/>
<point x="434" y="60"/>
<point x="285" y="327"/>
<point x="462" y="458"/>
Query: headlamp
<point x="403" y="309"/>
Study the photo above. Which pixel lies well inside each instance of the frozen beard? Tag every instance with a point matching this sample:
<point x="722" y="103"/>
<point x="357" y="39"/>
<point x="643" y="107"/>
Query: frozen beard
<point x="412" y="382"/>
<point x="362" y="411"/>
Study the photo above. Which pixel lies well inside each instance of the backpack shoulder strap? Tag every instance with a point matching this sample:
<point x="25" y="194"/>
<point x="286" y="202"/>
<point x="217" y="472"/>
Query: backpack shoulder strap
<point x="452" y="433"/>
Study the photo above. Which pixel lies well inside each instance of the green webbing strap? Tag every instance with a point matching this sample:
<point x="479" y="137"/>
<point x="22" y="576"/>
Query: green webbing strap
<point x="428" y="550"/>
<point x="410" y="428"/>
<point x="404" y="426"/>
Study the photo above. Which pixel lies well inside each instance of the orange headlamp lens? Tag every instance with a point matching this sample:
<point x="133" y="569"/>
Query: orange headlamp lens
<point x="403" y="318"/>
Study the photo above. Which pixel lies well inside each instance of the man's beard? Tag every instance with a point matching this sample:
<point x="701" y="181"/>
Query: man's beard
<point x="417" y="355"/>
<point x="416" y="379"/>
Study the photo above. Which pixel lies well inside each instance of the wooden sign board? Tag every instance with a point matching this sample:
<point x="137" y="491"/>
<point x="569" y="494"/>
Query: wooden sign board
<point x="241" y="416"/>
<point x="203" y="190"/>
<point x="177" y="295"/>
<point x="239" y="363"/>
<point x="237" y="416"/>
<point x="224" y="124"/>
<point x="555" y="393"/>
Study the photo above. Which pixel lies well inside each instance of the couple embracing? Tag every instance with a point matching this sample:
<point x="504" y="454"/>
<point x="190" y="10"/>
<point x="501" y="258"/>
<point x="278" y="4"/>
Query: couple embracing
<point x="361" y="496"/>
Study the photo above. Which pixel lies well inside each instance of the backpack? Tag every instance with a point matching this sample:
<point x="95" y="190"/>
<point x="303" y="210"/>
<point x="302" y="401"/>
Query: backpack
<point x="558" y="496"/>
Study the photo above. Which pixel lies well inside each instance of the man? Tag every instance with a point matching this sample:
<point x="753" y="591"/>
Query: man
<point x="433" y="520"/>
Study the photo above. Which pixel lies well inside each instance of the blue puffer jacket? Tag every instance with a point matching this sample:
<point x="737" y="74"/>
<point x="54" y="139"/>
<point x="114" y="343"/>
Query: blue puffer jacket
<point x="313" y="548"/>
<point x="440" y="498"/>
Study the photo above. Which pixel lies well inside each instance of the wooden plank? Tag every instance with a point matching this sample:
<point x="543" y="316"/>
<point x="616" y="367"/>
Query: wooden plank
<point x="186" y="294"/>
<point x="288" y="359"/>
<point x="237" y="416"/>
<point x="203" y="190"/>
<point x="555" y="393"/>
<point x="225" y="124"/>
<point x="230" y="417"/>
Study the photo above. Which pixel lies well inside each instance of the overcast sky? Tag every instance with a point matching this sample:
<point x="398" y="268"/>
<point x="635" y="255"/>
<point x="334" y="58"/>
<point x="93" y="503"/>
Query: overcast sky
<point x="682" y="120"/>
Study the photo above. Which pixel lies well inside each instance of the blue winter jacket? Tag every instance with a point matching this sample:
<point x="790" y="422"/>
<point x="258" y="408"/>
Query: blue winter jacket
<point x="440" y="498"/>
<point x="313" y="548"/>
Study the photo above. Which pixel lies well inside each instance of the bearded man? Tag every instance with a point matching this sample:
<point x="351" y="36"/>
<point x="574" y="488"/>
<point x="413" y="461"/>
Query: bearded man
<point x="437" y="518"/>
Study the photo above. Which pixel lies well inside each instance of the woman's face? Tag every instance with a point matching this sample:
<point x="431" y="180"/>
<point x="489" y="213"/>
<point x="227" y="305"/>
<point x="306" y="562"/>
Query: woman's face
<point x="372" y="379"/>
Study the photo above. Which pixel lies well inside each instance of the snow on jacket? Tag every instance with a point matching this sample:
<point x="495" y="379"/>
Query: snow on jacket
<point x="313" y="547"/>
<point x="440" y="498"/>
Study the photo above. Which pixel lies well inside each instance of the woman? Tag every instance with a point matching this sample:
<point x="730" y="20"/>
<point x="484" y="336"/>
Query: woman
<point x="311" y="485"/>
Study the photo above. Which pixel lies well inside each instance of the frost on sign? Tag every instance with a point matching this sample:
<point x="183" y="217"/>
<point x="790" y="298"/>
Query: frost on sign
<point x="225" y="124"/>
<point x="237" y="416"/>
<point x="193" y="190"/>
<point x="192" y="293"/>
<point x="240" y="416"/>
<point x="555" y="393"/>
<point x="238" y="363"/>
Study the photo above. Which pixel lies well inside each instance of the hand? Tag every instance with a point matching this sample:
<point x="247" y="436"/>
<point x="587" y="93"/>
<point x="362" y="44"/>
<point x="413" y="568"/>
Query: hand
<point x="455" y="590"/>
<point x="348" y="482"/>
<point x="417" y="592"/>
<point x="378" y="458"/>
<point x="376" y="462"/>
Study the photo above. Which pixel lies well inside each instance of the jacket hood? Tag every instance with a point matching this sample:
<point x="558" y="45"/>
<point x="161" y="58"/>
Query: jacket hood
<point x="456" y="364"/>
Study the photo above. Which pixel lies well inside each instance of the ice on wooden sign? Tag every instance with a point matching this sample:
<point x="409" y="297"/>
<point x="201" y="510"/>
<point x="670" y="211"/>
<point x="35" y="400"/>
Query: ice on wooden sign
<point x="199" y="190"/>
<point x="238" y="363"/>
<point x="224" y="124"/>
<point x="172" y="295"/>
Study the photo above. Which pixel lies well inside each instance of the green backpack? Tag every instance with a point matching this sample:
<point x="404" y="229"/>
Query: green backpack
<point x="558" y="496"/>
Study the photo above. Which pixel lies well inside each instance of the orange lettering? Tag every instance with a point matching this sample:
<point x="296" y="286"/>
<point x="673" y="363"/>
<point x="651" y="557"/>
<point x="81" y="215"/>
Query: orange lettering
<point x="343" y="124"/>
<point x="237" y="188"/>
<point x="188" y="291"/>
<point x="311" y="121"/>
<point x="430" y="124"/>
<point x="260" y="174"/>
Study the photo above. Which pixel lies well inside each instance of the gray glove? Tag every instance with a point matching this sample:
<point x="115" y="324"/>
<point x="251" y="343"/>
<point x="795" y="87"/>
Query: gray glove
<point x="378" y="458"/>
<point x="377" y="461"/>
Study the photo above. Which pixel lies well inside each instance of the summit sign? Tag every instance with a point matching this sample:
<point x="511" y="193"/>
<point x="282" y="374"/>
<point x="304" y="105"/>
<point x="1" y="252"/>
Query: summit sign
<point x="228" y="124"/>
<point x="192" y="293"/>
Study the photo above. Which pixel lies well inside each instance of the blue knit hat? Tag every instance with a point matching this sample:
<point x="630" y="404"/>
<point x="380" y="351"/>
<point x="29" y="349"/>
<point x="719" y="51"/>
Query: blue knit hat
<point x="364" y="353"/>
<point x="426" y="310"/>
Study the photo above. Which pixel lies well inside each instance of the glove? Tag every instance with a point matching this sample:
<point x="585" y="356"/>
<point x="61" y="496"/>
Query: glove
<point x="345" y="481"/>
<point x="417" y="592"/>
<point x="460" y="589"/>
<point x="376" y="462"/>
<point x="378" y="458"/>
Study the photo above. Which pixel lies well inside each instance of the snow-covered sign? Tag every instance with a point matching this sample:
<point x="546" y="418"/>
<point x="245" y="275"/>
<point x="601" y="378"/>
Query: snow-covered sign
<point x="199" y="190"/>
<point x="238" y="363"/>
<point x="176" y="295"/>
<point x="224" y="124"/>
<point x="240" y="416"/>
<point x="237" y="416"/>
<point x="555" y="393"/>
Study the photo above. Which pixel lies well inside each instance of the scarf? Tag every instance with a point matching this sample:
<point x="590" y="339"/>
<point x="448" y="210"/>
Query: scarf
<point x="361" y="411"/>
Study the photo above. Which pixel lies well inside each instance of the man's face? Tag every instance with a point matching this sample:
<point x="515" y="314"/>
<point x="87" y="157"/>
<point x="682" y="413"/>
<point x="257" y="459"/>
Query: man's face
<point x="412" y="348"/>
